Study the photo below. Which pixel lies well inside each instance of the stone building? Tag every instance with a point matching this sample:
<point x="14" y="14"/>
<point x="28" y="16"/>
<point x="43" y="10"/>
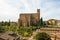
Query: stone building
<point x="53" y="22"/>
<point x="25" y="19"/>
<point x="58" y="22"/>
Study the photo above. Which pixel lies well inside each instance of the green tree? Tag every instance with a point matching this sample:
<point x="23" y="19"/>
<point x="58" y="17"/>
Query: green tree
<point x="42" y="36"/>
<point x="2" y="23"/>
<point x="9" y="23"/>
<point x="5" y="23"/>
<point x="2" y="29"/>
<point x="41" y="21"/>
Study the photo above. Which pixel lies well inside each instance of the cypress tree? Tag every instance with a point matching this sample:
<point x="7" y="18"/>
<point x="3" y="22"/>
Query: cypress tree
<point x="9" y="23"/>
<point x="41" y="22"/>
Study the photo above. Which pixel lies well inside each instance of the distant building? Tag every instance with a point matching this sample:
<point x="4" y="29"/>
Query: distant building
<point x="54" y="22"/>
<point x="58" y="22"/>
<point x="25" y="19"/>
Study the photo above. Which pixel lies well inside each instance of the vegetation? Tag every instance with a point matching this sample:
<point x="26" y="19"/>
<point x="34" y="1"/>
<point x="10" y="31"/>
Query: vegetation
<point x="2" y="29"/>
<point x="9" y="23"/>
<point x="42" y="36"/>
<point x="40" y="22"/>
<point x="26" y="31"/>
<point x="5" y="23"/>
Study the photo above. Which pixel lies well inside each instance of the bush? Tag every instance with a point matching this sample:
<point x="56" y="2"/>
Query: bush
<point x="2" y="29"/>
<point x="42" y="36"/>
<point x="26" y="31"/>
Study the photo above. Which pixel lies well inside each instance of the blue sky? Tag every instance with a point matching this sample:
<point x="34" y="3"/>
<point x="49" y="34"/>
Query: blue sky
<point x="10" y="9"/>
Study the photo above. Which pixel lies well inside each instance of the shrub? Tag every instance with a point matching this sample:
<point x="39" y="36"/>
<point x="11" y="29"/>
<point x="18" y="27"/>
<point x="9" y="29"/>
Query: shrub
<point x="2" y="29"/>
<point x="42" y="36"/>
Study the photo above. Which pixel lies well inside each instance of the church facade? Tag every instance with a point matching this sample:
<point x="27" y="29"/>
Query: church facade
<point x="27" y="19"/>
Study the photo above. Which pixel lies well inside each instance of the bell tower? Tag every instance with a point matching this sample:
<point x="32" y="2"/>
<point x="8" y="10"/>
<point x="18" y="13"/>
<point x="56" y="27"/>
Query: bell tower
<point x="38" y="12"/>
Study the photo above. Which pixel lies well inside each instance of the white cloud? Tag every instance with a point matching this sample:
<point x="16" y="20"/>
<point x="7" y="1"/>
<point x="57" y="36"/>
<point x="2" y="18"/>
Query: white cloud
<point x="7" y="12"/>
<point x="10" y="9"/>
<point x="50" y="11"/>
<point x="30" y="5"/>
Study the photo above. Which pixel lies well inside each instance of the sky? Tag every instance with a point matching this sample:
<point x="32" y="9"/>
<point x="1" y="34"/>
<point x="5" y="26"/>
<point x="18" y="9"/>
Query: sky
<point x="10" y="9"/>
